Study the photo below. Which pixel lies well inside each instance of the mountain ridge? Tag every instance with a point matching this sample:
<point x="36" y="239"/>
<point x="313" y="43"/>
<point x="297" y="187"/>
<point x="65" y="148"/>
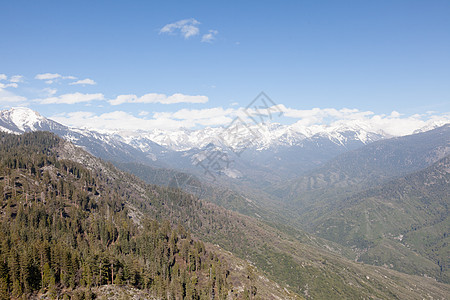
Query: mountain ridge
<point x="277" y="152"/>
<point x="307" y="269"/>
<point x="371" y="164"/>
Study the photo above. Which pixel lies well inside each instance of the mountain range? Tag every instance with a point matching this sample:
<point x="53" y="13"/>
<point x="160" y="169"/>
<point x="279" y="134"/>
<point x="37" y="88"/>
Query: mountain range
<point x="314" y="198"/>
<point x="267" y="150"/>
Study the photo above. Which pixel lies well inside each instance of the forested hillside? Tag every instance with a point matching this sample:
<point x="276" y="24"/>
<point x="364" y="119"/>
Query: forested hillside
<point x="215" y="193"/>
<point x="71" y="221"/>
<point x="63" y="228"/>
<point x="409" y="214"/>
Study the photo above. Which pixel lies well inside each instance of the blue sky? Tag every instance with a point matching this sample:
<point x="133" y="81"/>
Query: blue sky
<point x="378" y="56"/>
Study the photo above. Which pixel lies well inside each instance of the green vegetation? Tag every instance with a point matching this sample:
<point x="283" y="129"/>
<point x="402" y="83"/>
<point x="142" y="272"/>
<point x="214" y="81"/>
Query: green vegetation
<point x="387" y="202"/>
<point x="62" y="227"/>
<point x="402" y="224"/>
<point x="72" y="226"/>
<point x="222" y="196"/>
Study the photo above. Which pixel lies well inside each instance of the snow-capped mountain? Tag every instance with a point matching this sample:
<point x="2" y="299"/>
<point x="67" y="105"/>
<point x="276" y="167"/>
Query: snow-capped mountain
<point x="259" y="137"/>
<point x="21" y="119"/>
<point x="277" y="150"/>
<point x="268" y="151"/>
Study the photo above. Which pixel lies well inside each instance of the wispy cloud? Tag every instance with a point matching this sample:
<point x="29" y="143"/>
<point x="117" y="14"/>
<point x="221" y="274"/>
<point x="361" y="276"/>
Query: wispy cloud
<point x="210" y="36"/>
<point x="13" y="81"/>
<point x="71" y="98"/>
<point x="319" y="115"/>
<point x="6" y="85"/>
<point x="86" y="81"/>
<point x="186" y="27"/>
<point x="49" y="91"/>
<point x="47" y="76"/>
<point x="117" y="120"/>
<point x="204" y="117"/>
<point x="9" y="98"/>
<point x="16" y="79"/>
<point x="394" y="123"/>
<point x="52" y="77"/>
<point x="311" y="121"/>
<point x="158" y="98"/>
<point x="120" y="120"/>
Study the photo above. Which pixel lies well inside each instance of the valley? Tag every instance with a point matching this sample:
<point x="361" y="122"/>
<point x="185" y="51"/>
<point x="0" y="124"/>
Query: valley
<point x="342" y="235"/>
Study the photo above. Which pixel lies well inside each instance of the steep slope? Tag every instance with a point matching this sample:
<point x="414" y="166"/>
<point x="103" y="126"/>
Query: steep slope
<point x="215" y="193"/>
<point x="403" y="223"/>
<point x="308" y="270"/>
<point x="127" y="153"/>
<point x="67" y="230"/>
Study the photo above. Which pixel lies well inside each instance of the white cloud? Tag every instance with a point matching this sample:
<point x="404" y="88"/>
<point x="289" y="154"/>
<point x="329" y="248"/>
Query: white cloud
<point x="117" y="120"/>
<point x="6" y="85"/>
<point x="13" y="80"/>
<point x="16" y="79"/>
<point x="180" y="98"/>
<point x="158" y="98"/>
<point x="6" y="97"/>
<point x="123" y="99"/>
<point x="314" y="120"/>
<point x="210" y="36"/>
<point x="87" y="81"/>
<point x="120" y="120"/>
<point x="71" y="98"/>
<point x="319" y="115"/>
<point x="394" y="123"/>
<point x="52" y="77"/>
<point x="186" y="27"/>
<point x="143" y="113"/>
<point x="204" y="117"/>
<point x="395" y="114"/>
<point x="47" y="76"/>
<point x="49" y="91"/>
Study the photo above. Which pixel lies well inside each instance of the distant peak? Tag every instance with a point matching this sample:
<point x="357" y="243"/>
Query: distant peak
<point x="23" y="118"/>
<point x="21" y="110"/>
